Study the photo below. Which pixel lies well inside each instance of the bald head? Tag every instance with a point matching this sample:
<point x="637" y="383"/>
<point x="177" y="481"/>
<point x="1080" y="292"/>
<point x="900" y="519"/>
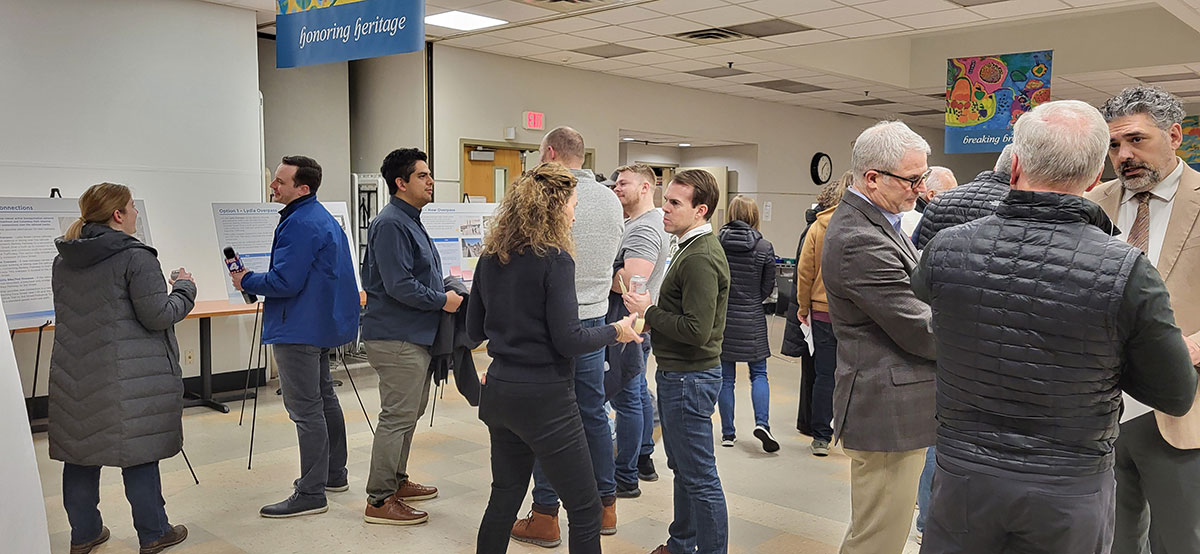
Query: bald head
<point x="563" y="145"/>
<point x="940" y="180"/>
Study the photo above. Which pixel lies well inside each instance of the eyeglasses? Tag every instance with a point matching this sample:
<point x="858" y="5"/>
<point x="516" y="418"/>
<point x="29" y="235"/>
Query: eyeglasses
<point x="913" y="182"/>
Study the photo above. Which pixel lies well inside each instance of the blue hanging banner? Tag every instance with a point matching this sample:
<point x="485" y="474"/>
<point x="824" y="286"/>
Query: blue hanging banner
<point x="322" y="31"/>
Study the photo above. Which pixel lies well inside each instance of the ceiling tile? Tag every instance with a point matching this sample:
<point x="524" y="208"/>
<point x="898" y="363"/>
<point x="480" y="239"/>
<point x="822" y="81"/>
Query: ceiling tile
<point x="460" y="4"/>
<point x="1018" y="7"/>
<point x="697" y="52"/>
<point x="655" y="44"/>
<point x="832" y="18"/>
<point x="563" y="57"/>
<point x="946" y="18"/>
<point x="725" y="58"/>
<point x="747" y="78"/>
<point x="607" y="64"/>
<point x="511" y="12"/>
<point x="717" y="72"/>
<point x="520" y="33"/>
<point x="870" y="28"/>
<point x="476" y="41"/>
<point x="649" y="58"/>
<point x="612" y="33"/>
<point x="636" y="71"/>
<point x="672" y="7"/>
<point x="764" y="67"/>
<point x="565" y="42"/>
<point x="608" y="50"/>
<point x="569" y="24"/>
<point x="799" y="74"/>
<point x="780" y="8"/>
<point x="748" y="45"/>
<point x="665" y="25"/>
<point x="899" y="8"/>
<point x="804" y="37"/>
<point x="621" y="16"/>
<point x="725" y="16"/>
<point x="685" y="65"/>
<point x="519" y="49"/>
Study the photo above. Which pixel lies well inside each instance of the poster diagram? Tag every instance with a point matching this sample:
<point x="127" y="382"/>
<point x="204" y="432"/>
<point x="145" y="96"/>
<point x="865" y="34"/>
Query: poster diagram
<point x="1189" y="150"/>
<point x="249" y="228"/>
<point x="28" y="227"/>
<point x="985" y="95"/>
<point x="457" y="231"/>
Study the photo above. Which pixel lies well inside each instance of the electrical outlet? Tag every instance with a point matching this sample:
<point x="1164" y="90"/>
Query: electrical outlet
<point x="189" y="357"/>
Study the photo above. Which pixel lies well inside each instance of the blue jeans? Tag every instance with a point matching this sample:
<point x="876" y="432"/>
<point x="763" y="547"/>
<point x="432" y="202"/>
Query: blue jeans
<point x="760" y="395"/>
<point x="589" y="393"/>
<point x="685" y="404"/>
<point x="824" y="366"/>
<point x="143" y="490"/>
<point x="635" y="426"/>
<point x="925" y="488"/>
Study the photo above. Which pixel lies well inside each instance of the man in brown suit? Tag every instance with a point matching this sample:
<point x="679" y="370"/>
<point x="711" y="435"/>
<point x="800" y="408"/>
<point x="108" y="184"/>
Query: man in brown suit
<point x="883" y="401"/>
<point x="1155" y="202"/>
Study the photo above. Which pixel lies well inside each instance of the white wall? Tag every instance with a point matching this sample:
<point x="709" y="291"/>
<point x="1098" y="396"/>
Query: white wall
<point x="632" y="152"/>
<point x="387" y="111"/>
<point x="161" y="96"/>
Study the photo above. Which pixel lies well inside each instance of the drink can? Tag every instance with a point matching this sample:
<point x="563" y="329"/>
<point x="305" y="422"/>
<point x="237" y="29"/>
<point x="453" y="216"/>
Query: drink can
<point x="637" y="284"/>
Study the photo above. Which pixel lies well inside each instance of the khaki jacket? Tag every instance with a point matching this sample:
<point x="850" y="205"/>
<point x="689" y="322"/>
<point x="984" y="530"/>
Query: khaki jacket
<point x="810" y="285"/>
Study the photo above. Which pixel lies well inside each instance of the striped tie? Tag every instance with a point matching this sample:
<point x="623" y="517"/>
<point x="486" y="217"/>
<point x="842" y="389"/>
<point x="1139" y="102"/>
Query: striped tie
<point x="1139" y="234"/>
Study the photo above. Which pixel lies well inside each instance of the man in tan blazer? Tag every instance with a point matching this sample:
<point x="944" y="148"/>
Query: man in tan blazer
<point x="1155" y="203"/>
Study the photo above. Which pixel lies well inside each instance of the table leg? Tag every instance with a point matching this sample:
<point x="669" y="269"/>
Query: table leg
<point x="205" y="397"/>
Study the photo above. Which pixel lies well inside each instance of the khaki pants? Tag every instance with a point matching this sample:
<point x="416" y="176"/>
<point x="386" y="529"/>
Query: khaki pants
<point x="883" y="490"/>
<point x="404" y="379"/>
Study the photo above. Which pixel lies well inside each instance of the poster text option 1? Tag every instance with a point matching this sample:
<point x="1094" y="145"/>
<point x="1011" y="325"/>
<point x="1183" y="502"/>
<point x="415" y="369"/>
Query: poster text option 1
<point x="349" y="31"/>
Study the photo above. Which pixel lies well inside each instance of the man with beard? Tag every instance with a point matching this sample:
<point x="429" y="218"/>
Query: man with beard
<point x="1155" y="202"/>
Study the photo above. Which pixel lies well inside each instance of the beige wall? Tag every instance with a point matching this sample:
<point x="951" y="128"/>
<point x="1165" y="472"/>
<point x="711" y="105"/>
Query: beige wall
<point x="387" y="110"/>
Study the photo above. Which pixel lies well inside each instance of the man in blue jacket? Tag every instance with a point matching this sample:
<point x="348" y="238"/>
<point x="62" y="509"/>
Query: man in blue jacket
<point x="311" y="305"/>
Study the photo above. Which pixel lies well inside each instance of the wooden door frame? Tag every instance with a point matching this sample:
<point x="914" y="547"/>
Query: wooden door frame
<point x="589" y="158"/>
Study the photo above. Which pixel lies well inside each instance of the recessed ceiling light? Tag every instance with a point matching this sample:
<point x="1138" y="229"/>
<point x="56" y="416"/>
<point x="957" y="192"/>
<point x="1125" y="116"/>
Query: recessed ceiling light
<point x="685" y="144"/>
<point x="627" y="138"/>
<point x="462" y="21"/>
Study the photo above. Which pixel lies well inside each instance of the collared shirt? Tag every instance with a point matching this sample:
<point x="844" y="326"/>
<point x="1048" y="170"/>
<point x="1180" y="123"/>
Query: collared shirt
<point x="402" y="276"/>
<point x="677" y="241"/>
<point x="1162" y="199"/>
<point x="892" y="218"/>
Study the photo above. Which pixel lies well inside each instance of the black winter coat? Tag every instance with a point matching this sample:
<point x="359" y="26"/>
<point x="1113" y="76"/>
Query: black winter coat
<point x="794" y="343"/>
<point x="752" y="277"/>
<point x="961" y="204"/>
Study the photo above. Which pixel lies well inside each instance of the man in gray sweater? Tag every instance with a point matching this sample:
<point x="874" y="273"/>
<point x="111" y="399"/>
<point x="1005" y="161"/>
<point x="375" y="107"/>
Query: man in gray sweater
<point x="597" y="231"/>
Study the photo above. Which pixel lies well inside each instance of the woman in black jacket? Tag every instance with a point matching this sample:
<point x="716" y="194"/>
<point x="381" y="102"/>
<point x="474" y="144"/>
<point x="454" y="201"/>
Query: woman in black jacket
<point x="752" y="277"/>
<point x="523" y="302"/>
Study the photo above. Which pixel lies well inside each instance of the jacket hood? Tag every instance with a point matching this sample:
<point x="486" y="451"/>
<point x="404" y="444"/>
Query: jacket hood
<point x="96" y="243"/>
<point x="810" y="215"/>
<point x="737" y="236"/>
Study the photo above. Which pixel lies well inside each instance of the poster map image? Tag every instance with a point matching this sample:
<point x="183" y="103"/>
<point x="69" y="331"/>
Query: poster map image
<point x="457" y="231"/>
<point x="1189" y="149"/>
<point x="986" y="94"/>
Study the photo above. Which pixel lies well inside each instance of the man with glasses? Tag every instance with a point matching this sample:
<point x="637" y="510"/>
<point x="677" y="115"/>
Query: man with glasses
<point x="883" y="399"/>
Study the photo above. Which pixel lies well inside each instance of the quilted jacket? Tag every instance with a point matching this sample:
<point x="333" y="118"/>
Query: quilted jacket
<point x="961" y="204"/>
<point x="116" y="393"/>
<point x="751" y="279"/>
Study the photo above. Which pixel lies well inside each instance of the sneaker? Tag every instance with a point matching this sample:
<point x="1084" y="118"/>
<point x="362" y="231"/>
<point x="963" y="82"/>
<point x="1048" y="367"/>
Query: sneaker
<point x="763" y="433"/>
<point x="410" y="491"/>
<point x="646" y="468"/>
<point x="538" y="529"/>
<point x="728" y="440"/>
<point x="87" y="547"/>
<point x="628" y="491"/>
<point x="394" y="512"/>
<point x="295" y="505"/>
<point x="608" y="519"/>
<point x="176" y="535"/>
<point x="819" y="447"/>
<point x="337" y="487"/>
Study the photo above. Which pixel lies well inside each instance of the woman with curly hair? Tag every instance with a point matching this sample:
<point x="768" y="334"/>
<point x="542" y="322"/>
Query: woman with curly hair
<point x="523" y="302"/>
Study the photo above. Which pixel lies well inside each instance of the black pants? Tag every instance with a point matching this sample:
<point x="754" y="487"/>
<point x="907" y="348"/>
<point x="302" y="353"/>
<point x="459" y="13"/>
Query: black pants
<point x="1158" y="492"/>
<point x="977" y="513"/>
<point x="824" y="365"/>
<point x="528" y="422"/>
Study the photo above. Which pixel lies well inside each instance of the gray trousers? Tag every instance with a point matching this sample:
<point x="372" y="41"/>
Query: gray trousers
<point x="404" y="379"/>
<point x="1158" y="492"/>
<point x="978" y="513"/>
<point x="312" y="404"/>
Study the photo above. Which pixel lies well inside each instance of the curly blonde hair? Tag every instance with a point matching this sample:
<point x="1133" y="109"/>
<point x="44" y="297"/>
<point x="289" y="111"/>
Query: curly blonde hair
<point x="831" y="195"/>
<point x="531" y="215"/>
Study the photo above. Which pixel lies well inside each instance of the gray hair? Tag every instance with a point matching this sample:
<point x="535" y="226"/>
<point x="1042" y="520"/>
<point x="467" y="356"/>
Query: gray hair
<point x="882" y="146"/>
<point x="1004" y="162"/>
<point x="1163" y="107"/>
<point x="940" y="179"/>
<point x="1061" y="144"/>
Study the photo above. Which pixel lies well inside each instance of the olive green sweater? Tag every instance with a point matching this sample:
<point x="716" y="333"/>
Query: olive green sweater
<point x="688" y="322"/>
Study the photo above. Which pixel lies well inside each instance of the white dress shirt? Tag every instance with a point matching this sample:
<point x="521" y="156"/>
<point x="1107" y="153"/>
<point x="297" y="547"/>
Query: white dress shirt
<point x="1162" y="199"/>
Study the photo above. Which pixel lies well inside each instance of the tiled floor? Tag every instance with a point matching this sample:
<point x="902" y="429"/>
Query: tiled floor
<point x="787" y="502"/>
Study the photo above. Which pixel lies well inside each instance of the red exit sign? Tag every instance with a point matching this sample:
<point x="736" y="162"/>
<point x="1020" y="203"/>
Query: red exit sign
<point x="535" y="121"/>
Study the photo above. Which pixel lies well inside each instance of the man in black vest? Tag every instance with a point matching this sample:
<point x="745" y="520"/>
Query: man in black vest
<point x="1041" y="319"/>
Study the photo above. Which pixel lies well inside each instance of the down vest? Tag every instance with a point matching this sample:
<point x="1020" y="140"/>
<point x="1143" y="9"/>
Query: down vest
<point x="751" y="279"/>
<point x="116" y="393"/>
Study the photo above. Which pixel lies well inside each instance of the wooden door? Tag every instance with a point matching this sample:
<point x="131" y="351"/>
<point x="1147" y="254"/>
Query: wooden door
<point x="479" y="175"/>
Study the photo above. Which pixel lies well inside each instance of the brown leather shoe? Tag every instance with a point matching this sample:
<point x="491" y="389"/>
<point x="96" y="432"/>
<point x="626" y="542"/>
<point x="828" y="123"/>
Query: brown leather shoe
<point x="87" y="547"/>
<point x="173" y="537"/>
<point x="539" y="529"/>
<point x="410" y="491"/>
<point x="394" y="512"/>
<point x="608" y="520"/>
<point x="662" y="549"/>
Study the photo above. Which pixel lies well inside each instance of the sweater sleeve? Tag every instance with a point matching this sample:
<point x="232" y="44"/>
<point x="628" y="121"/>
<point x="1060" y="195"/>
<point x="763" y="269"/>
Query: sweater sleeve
<point x="569" y="338"/>
<point x="1157" y="369"/>
<point x="699" y="286"/>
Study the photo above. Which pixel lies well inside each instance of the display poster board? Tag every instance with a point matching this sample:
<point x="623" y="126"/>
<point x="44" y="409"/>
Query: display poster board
<point x="457" y="232"/>
<point x="28" y="227"/>
<point x="23" y="513"/>
<point x="986" y="94"/>
<point x="249" y="228"/>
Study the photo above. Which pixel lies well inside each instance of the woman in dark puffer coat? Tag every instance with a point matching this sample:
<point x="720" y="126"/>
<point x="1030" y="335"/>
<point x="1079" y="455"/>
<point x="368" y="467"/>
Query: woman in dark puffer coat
<point x="752" y="277"/>
<point x="116" y="393"/>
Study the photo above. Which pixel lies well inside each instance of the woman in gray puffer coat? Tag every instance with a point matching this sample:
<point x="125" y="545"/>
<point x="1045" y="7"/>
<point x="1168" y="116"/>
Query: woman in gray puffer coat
<point x="751" y="280"/>
<point x="116" y="392"/>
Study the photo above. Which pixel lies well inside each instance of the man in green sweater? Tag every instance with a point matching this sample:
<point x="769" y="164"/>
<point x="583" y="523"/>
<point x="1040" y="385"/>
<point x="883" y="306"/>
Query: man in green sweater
<point x="686" y="327"/>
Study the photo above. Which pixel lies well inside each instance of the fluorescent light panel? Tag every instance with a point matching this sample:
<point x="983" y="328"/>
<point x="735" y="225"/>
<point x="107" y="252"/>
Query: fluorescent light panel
<point x="462" y="21"/>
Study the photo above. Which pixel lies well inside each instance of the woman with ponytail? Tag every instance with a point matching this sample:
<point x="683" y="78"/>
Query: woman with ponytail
<point x="116" y="391"/>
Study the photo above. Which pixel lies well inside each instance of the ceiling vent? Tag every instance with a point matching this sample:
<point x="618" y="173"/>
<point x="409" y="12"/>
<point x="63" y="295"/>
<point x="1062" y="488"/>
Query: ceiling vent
<point x="709" y="36"/>
<point x="568" y="6"/>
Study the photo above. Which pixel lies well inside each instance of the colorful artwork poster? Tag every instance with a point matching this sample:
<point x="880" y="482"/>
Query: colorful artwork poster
<point x="322" y="31"/>
<point x="1189" y="150"/>
<point x="986" y="94"/>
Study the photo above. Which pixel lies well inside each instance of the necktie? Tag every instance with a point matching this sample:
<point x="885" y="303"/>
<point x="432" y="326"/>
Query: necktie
<point x="1139" y="234"/>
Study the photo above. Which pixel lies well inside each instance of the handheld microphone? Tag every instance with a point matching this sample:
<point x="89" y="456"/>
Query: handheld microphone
<point x="234" y="263"/>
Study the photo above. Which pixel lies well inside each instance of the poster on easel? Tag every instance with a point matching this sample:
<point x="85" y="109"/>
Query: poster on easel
<point x="28" y="227"/>
<point x="457" y="232"/>
<point x="249" y="228"/>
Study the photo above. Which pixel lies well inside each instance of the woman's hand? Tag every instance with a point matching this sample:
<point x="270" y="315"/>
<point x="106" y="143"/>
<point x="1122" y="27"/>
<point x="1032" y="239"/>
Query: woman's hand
<point x="181" y="274"/>
<point x="625" y="332"/>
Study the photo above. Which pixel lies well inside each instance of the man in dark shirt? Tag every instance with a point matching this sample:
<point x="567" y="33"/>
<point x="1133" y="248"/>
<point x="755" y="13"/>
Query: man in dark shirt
<point x="402" y="275"/>
<point x="1041" y="319"/>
